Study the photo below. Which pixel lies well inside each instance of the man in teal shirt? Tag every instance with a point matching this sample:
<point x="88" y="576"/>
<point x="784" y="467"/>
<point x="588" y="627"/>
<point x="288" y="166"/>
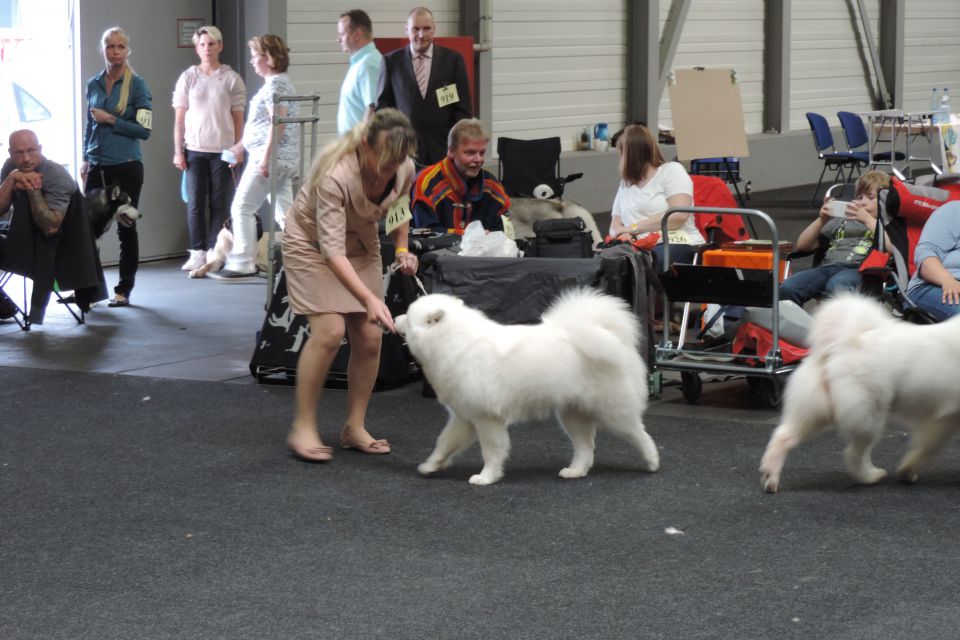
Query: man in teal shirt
<point x="358" y="93"/>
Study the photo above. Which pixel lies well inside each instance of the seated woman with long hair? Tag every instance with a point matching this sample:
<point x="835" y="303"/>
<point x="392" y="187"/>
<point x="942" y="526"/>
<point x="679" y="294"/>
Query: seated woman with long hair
<point x="648" y="187"/>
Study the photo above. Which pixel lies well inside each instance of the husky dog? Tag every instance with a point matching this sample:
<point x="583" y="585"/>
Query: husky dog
<point x="864" y="366"/>
<point x="103" y="205"/>
<point x="581" y="363"/>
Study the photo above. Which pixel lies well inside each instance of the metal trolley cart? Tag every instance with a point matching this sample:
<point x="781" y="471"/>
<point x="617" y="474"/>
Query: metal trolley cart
<point x="723" y="285"/>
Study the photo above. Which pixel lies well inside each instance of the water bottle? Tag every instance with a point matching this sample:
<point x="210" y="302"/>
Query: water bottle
<point x="945" y="107"/>
<point x="934" y="101"/>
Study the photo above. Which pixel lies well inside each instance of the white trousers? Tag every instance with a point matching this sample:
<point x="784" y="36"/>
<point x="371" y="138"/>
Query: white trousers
<point x="251" y="193"/>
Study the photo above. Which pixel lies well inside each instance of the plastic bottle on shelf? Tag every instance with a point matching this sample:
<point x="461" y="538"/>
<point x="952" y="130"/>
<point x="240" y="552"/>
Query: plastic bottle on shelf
<point x="934" y="102"/>
<point x="945" y="107"/>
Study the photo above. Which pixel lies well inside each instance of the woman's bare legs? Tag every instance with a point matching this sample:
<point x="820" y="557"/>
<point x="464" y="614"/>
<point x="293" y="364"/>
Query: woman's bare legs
<point x="326" y="334"/>
<point x="365" y="338"/>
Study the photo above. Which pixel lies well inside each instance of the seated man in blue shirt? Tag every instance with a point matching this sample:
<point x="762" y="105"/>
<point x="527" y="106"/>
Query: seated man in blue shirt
<point x="449" y="195"/>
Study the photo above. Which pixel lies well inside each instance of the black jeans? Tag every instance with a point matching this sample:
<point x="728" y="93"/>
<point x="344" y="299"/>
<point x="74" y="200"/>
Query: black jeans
<point x="129" y="177"/>
<point x="207" y="177"/>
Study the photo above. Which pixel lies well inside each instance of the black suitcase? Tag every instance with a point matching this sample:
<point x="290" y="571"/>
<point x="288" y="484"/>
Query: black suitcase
<point x="283" y="334"/>
<point x="560" y="238"/>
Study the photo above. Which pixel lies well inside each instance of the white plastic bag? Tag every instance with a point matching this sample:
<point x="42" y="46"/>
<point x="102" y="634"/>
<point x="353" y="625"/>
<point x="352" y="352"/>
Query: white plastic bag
<point x="478" y="243"/>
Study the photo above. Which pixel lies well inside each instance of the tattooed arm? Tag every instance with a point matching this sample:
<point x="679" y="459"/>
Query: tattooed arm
<point x="45" y="217"/>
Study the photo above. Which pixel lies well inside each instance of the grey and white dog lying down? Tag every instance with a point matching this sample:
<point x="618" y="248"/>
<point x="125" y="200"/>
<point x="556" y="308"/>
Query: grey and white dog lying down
<point x="580" y="364"/>
<point x="525" y="211"/>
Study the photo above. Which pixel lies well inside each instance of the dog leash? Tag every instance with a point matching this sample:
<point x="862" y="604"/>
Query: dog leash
<point x="392" y="269"/>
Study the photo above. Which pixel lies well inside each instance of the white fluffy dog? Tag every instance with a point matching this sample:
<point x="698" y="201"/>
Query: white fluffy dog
<point x="864" y="366"/>
<point x="580" y="363"/>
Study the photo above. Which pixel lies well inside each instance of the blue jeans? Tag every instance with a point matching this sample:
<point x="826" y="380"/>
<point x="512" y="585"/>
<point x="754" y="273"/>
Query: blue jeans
<point x="208" y="177"/>
<point x="929" y="297"/>
<point x="819" y="282"/>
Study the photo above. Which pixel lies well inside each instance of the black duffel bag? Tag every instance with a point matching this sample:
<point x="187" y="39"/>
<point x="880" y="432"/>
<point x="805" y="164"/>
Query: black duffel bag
<point x="560" y="238"/>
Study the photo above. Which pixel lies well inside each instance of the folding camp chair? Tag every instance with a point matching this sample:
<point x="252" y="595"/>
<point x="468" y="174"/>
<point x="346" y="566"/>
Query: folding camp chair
<point x="523" y="165"/>
<point x="904" y="209"/>
<point x="67" y="261"/>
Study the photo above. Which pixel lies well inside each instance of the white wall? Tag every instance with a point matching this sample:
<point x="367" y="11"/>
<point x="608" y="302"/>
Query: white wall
<point x="722" y="34"/>
<point x="557" y="70"/>
<point x="828" y="60"/>
<point x="931" y="52"/>
<point x="152" y="28"/>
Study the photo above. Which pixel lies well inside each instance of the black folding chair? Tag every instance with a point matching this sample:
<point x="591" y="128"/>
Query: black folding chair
<point x="65" y="261"/>
<point x="524" y="165"/>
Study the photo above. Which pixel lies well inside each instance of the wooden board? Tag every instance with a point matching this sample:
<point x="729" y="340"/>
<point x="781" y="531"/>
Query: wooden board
<point x="707" y="114"/>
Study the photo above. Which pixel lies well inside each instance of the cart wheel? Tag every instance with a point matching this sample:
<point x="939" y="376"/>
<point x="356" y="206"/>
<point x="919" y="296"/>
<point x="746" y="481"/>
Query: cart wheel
<point x="691" y="386"/>
<point x="771" y="391"/>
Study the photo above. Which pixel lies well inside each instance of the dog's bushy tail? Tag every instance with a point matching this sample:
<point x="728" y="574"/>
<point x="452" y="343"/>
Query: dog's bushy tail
<point x="840" y="321"/>
<point x="585" y="311"/>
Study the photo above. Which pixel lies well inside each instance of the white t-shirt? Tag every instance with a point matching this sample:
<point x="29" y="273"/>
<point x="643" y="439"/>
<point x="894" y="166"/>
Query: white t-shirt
<point x="634" y="204"/>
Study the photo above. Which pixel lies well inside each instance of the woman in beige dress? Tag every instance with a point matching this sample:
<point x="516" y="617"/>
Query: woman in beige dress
<point x="331" y="254"/>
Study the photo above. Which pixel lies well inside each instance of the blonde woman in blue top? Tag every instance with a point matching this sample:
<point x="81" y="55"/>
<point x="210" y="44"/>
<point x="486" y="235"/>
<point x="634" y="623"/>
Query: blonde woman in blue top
<point x="119" y="116"/>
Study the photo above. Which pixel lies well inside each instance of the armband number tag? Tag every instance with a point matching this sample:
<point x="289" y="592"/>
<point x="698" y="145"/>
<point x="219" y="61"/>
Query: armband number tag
<point x="145" y="118"/>
<point x="448" y="95"/>
<point x="399" y="213"/>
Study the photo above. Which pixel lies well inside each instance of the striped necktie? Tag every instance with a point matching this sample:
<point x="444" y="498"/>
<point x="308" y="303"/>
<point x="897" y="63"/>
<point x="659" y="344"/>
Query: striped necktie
<point x="420" y="70"/>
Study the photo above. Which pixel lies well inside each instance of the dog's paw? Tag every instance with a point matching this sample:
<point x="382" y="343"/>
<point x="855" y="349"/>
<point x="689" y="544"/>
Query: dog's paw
<point x="428" y="468"/>
<point x="482" y="480"/>
<point x="871" y="476"/>
<point x="907" y="474"/>
<point x="571" y="472"/>
<point x="769" y="483"/>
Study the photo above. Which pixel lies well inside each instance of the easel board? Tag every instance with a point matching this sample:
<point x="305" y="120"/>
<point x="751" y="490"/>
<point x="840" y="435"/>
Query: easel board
<point x="707" y="114"/>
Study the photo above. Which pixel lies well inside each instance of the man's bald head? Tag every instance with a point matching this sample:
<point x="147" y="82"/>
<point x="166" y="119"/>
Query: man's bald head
<point x="25" y="150"/>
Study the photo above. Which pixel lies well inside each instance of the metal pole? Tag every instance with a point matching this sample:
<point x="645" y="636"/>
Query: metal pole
<point x="278" y="121"/>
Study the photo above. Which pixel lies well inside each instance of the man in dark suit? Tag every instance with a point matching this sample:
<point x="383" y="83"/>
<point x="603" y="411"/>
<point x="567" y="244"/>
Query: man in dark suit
<point x="428" y="83"/>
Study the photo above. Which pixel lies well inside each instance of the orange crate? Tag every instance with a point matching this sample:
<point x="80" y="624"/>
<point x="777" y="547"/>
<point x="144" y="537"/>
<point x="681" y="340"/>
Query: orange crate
<point x="744" y="259"/>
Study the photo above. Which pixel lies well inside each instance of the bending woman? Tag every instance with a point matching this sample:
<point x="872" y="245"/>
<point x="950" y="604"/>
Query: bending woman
<point x="331" y="254"/>
<point x="648" y="187"/>
<point x="119" y="116"/>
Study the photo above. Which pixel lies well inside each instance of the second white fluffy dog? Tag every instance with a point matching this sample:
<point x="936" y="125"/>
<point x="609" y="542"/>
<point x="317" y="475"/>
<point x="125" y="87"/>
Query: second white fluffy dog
<point x="581" y="363"/>
<point x="863" y="367"/>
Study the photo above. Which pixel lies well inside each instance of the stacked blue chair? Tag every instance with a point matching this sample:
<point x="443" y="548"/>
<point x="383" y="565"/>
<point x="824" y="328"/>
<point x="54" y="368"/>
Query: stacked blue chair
<point x="856" y="135"/>
<point x="839" y="161"/>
